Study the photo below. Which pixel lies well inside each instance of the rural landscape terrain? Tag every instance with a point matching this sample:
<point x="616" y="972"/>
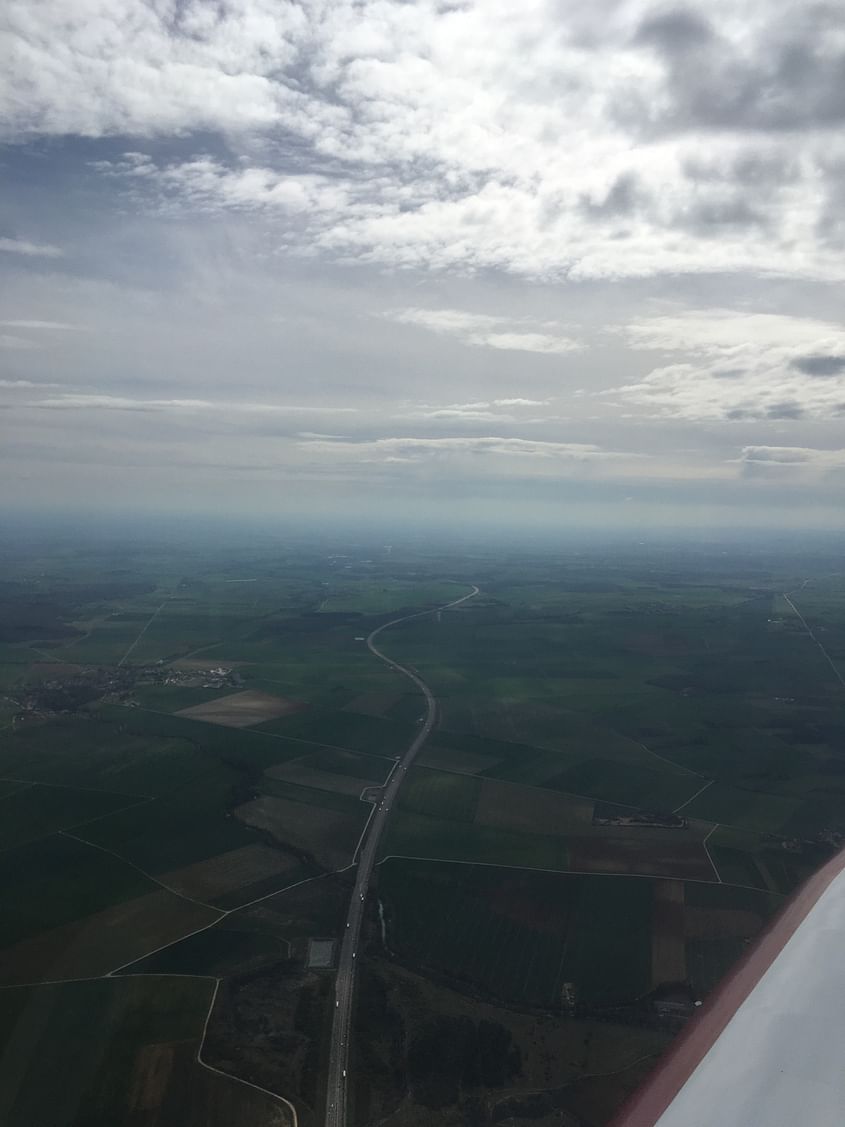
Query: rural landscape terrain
<point x="636" y="752"/>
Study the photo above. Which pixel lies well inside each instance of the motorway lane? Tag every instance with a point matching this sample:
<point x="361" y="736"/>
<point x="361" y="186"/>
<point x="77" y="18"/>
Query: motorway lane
<point x="336" y="1088"/>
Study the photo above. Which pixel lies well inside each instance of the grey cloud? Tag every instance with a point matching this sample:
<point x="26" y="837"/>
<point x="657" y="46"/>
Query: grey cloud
<point x="820" y="365"/>
<point x="675" y="31"/>
<point x="763" y="168"/>
<point x="624" y="197"/>
<point x="786" y="410"/>
<point x="774" y="75"/>
<point x="709" y="216"/>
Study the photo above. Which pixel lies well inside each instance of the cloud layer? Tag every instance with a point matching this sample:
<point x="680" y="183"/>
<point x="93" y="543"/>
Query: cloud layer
<point x="476" y="246"/>
<point x="739" y="366"/>
<point x="549" y="140"/>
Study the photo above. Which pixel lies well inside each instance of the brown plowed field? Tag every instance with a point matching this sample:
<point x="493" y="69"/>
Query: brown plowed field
<point x="150" y="1077"/>
<point x="445" y="759"/>
<point x="306" y="776"/>
<point x="511" y="806"/>
<point x="668" y="940"/>
<point x="229" y="871"/>
<point x="683" y="860"/>
<point x="721" y="923"/>
<point x="239" y="710"/>
<point x="104" y="941"/>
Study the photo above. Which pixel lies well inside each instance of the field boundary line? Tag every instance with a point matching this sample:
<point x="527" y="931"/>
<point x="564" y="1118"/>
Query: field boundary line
<point x="76" y="826"/>
<point x="224" y="914"/>
<point x="700" y="790"/>
<point x="17" y="790"/>
<point x="51" y="982"/>
<point x="710" y="855"/>
<point x="228" y="1075"/>
<point x="143" y="872"/>
<point x="351" y="750"/>
<point x="663" y="759"/>
<point x="288" y="887"/>
<point x="104" y="978"/>
<point x="584" y="872"/>
<point x="144" y="629"/>
<point x="149" y="954"/>
<point x="607" y="802"/>
<point x="72" y="786"/>
<point x="810" y="633"/>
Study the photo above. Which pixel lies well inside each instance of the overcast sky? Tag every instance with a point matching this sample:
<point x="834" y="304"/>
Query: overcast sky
<point x="544" y="261"/>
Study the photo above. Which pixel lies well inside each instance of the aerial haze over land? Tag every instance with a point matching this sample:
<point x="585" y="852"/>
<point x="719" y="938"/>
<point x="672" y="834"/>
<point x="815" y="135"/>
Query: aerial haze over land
<point x="515" y="262"/>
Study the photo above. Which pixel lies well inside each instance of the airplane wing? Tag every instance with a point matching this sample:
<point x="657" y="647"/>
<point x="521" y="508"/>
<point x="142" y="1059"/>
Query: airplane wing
<point x="766" y="1049"/>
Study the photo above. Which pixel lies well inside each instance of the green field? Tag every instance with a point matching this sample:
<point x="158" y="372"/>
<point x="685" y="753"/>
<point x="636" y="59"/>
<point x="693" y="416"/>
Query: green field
<point x="37" y="811"/>
<point x="62" y="880"/>
<point x="419" y="835"/>
<point x="218" y="952"/>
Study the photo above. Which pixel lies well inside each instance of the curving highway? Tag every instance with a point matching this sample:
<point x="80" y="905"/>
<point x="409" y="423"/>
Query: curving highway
<point x="336" y="1089"/>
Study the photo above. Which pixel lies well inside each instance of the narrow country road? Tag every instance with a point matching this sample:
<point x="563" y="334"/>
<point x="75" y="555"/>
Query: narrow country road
<point x="836" y="672"/>
<point x="336" y="1088"/>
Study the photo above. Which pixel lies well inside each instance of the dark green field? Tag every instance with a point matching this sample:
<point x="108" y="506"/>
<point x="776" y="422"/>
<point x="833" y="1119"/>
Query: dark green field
<point x="118" y="1051"/>
<point x="520" y="936"/>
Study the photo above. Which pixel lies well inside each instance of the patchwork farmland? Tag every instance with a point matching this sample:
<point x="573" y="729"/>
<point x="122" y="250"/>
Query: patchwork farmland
<point x="633" y="766"/>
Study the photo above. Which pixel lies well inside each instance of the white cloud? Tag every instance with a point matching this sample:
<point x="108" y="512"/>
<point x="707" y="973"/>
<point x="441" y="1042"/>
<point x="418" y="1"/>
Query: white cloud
<point x="520" y="402"/>
<point x="424" y="449"/>
<point x="480" y="411"/>
<point x="528" y="342"/>
<point x="20" y="384"/>
<point x="46" y="325"/>
<point x="123" y="403"/>
<point x="480" y="330"/>
<point x="30" y="250"/>
<point x="793" y="464"/>
<point x="735" y="365"/>
<point x="464" y="415"/>
<point x="549" y="140"/>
